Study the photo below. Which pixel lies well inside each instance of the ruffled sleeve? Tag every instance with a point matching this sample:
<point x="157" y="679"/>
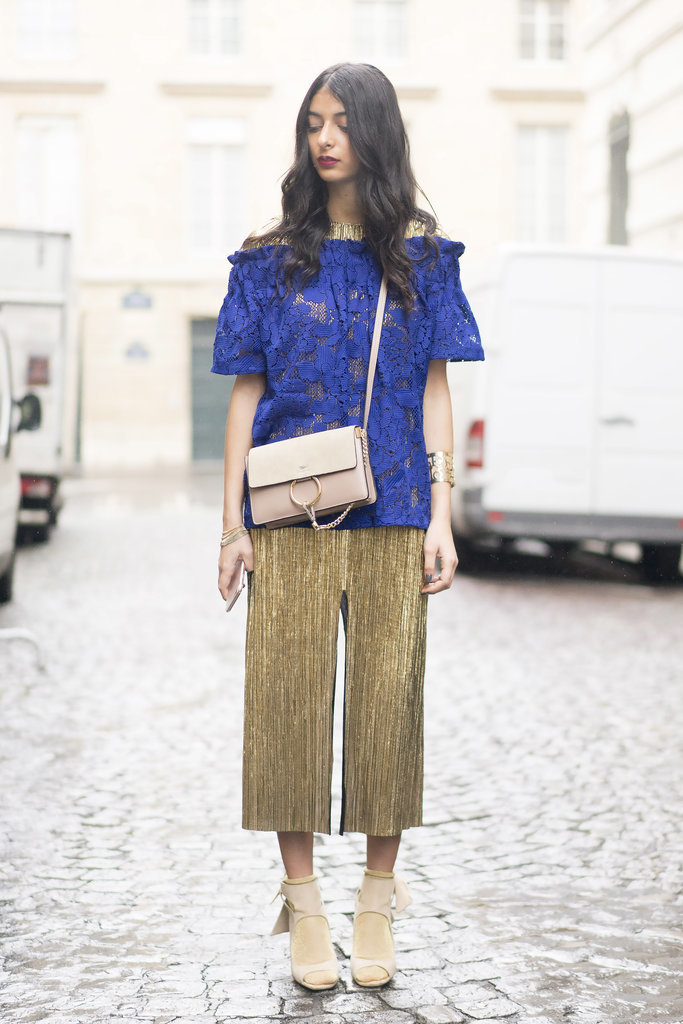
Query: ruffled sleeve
<point x="456" y="335"/>
<point x="241" y="328"/>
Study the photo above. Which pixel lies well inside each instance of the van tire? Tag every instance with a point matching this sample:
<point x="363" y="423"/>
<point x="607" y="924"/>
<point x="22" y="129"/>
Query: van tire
<point x="661" y="561"/>
<point x="7" y="581"/>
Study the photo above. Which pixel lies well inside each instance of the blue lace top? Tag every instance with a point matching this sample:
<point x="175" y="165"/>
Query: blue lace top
<point x="313" y="347"/>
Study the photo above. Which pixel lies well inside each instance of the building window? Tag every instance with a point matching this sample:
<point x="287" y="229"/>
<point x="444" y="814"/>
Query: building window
<point x="380" y="31"/>
<point x="46" y="29"/>
<point x="217" y="184"/>
<point x="48" y="173"/>
<point x="542" y="183"/>
<point x="543" y="29"/>
<point x="619" y="138"/>
<point x="214" y="27"/>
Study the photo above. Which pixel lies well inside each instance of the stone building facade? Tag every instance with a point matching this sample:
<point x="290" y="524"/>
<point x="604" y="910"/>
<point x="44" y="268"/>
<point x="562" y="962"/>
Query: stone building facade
<point x="158" y="133"/>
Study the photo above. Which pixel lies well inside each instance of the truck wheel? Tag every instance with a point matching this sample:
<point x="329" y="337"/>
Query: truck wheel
<point x="28" y="533"/>
<point x="7" y="581"/>
<point x="41" y="534"/>
<point x="661" y="561"/>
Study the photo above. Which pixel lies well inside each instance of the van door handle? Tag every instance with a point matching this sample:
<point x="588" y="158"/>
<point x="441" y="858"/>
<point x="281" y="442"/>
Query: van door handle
<point x="618" y="421"/>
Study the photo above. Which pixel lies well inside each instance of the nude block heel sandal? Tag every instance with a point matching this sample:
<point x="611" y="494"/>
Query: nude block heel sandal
<point x="372" y="960"/>
<point x="314" y="964"/>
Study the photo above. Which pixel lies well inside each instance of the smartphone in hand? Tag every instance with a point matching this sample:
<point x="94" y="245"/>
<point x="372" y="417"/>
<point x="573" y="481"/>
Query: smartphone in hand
<point x="237" y="582"/>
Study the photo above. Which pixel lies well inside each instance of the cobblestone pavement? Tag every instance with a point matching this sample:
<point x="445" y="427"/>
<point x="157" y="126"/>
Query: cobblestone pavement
<point x="547" y="882"/>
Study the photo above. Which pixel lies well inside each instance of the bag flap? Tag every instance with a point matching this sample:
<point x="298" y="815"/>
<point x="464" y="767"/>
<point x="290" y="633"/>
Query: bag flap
<point x="328" y="451"/>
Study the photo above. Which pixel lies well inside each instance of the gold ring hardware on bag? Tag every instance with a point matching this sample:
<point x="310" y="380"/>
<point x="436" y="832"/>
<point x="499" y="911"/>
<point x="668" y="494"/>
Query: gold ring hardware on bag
<point x="308" y="508"/>
<point x="306" y="504"/>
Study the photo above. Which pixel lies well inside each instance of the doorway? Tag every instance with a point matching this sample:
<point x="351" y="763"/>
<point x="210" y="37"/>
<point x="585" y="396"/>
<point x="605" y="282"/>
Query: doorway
<point x="210" y="394"/>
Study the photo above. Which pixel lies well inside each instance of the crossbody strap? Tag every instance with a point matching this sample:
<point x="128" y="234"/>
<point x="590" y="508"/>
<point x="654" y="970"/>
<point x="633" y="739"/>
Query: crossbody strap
<point x="374" y="348"/>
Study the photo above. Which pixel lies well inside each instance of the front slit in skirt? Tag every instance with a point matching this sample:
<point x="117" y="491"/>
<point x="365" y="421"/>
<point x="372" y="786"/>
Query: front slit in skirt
<point x="302" y="579"/>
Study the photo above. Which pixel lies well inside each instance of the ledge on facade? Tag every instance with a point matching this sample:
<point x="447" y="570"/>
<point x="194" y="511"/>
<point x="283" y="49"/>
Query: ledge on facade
<point x="417" y="92"/>
<point x="248" y="89"/>
<point x="51" y="86"/>
<point x="543" y="95"/>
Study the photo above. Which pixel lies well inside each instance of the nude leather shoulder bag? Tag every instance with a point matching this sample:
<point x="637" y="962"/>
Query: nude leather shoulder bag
<point x="327" y="472"/>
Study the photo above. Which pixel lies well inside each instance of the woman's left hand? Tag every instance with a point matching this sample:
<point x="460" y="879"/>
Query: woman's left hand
<point x="439" y="543"/>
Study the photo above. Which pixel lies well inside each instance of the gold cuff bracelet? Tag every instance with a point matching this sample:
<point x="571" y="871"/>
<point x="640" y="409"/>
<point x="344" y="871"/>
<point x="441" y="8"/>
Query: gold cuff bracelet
<point x="441" y="468"/>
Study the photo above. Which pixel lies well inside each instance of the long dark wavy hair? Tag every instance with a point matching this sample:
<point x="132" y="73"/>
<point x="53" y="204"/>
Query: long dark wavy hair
<point x="386" y="184"/>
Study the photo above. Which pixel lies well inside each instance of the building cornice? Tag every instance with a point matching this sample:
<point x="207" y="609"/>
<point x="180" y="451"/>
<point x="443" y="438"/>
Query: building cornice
<point x="51" y="86"/>
<point x="536" y="95"/>
<point x="417" y="92"/>
<point x="248" y="90"/>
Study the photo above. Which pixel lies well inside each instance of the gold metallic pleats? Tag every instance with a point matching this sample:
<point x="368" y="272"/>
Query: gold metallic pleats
<point x="301" y="580"/>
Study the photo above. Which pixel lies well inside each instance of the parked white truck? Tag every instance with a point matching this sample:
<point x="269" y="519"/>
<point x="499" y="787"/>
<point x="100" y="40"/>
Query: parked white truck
<point x="34" y="290"/>
<point x="14" y="416"/>
<point x="572" y="429"/>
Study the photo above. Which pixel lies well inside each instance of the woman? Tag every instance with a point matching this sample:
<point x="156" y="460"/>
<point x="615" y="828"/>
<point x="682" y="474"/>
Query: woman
<point x="295" y="327"/>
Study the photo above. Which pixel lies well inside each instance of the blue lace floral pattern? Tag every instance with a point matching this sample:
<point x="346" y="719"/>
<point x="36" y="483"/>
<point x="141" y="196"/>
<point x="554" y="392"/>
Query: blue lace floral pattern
<point x="313" y="347"/>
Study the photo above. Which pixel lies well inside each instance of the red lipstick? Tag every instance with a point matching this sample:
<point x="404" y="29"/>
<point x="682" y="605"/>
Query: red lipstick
<point x="327" y="161"/>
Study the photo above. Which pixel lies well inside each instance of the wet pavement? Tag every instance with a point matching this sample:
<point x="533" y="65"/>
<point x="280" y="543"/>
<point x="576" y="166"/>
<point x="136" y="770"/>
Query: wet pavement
<point x="547" y="882"/>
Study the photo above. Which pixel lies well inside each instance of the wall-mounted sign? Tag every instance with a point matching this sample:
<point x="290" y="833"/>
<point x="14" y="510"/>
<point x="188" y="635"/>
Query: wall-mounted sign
<point x="136" y="300"/>
<point x="37" y="371"/>
<point x="136" y="350"/>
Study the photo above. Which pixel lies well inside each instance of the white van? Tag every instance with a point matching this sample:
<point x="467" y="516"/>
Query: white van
<point x="29" y="419"/>
<point x="573" y="427"/>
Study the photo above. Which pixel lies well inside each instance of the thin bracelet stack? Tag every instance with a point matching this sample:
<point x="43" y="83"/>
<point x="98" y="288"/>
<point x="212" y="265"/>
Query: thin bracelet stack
<point x="441" y="468"/>
<point x="230" y="536"/>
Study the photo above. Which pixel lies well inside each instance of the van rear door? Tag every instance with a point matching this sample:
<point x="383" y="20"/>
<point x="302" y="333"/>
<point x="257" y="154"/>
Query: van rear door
<point x="541" y="376"/>
<point x="639" y="439"/>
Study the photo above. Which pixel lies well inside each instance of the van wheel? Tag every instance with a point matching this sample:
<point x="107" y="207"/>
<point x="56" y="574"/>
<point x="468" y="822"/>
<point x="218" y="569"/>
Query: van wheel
<point x="561" y="549"/>
<point x="7" y="581"/>
<point x="661" y="561"/>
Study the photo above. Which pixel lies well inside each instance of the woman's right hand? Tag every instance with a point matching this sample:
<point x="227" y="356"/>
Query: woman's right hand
<point x="241" y="551"/>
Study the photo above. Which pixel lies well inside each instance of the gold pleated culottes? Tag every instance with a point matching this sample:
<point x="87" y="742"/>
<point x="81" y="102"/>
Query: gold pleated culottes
<point x="302" y="579"/>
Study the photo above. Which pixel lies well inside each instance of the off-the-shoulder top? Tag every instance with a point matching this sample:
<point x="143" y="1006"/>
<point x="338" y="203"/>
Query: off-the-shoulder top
<point x="313" y="347"/>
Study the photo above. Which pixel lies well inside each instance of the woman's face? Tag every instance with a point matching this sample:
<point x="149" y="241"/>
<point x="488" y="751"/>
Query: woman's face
<point x="328" y="141"/>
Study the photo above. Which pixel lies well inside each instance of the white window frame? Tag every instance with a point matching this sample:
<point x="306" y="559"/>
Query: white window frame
<point x="216" y="206"/>
<point x="46" y="29"/>
<point x="215" y="28"/>
<point x="380" y="31"/>
<point x="542" y="199"/>
<point x="535" y="16"/>
<point x="48" y="173"/>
